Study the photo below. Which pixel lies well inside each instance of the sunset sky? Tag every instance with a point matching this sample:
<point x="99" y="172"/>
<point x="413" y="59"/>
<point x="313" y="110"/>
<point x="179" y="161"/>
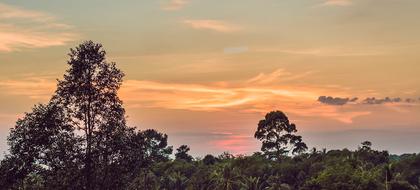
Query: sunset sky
<point x="206" y="71"/>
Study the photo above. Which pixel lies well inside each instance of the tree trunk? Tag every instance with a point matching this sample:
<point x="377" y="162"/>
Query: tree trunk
<point x="89" y="148"/>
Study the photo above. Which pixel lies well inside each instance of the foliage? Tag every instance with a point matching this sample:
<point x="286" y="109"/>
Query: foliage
<point x="182" y="153"/>
<point x="278" y="136"/>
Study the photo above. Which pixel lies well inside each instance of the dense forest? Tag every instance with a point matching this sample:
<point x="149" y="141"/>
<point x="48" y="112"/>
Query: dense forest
<point x="80" y="140"/>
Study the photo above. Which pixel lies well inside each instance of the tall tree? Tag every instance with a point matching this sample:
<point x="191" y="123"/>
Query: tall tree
<point x="88" y="93"/>
<point x="278" y="136"/>
<point x="103" y="154"/>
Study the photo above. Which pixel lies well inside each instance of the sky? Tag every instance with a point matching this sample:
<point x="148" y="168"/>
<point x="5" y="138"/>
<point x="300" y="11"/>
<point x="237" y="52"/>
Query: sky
<point x="206" y="71"/>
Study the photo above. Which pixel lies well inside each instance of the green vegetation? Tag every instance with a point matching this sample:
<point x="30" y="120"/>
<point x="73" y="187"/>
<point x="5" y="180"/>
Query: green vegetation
<point x="80" y="140"/>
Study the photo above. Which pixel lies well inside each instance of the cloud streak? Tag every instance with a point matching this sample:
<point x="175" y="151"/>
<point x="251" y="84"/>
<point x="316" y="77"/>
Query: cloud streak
<point x="373" y="100"/>
<point x="212" y="25"/>
<point x="38" y="88"/>
<point x="259" y="94"/>
<point x="337" y="101"/>
<point x="22" y="28"/>
<point x="256" y="95"/>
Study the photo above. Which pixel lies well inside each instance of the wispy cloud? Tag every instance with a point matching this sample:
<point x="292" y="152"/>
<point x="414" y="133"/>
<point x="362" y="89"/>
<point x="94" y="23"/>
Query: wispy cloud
<point x="338" y="101"/>
<point x="173" y="5"/>
<point x="277" y="76"/>
<point x="207" y="97"/>
<point x="387" y="100"/>
<point x="39" y="88"/>
<point x="337" y="3"/>
<point x="22" y="28"/>
<point x="259" y="94"/>
<point x="213" y="25"/>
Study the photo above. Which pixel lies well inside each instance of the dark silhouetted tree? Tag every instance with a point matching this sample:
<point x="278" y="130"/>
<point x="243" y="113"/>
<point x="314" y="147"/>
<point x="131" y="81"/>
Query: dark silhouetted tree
<point x="182" y="153"/>
<point x="146" y="148"/>
<point x="43" y="144"/>
<point x="366" y="145"/>
<point x="278" y="136"/>
<point x="209" y="159"/>
<point x="46" y="149"/>
<point x="88" y="93"/>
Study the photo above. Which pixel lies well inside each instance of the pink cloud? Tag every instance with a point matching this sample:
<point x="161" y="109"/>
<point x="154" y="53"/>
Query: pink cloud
<point x="236" y="144"/>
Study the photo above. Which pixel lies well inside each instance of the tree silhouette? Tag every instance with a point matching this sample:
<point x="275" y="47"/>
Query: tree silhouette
<point x="43" y="143"/>
<point x="182" y="153"/>
<point x="278" y="136"/>
<point x="88" y="93"/>
<point x="366" y="145"/>
<point x="209" y="159"/>
<point x="148" y="147"/>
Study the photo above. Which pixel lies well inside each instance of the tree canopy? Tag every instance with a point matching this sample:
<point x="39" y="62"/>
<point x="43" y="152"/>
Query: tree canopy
<point x="278" y="136"/>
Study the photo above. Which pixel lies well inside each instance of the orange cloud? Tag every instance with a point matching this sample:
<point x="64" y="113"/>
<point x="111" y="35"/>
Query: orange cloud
<point x="40" y="88"/>
<point x="260" y="94"/>
<point x="39" y="29"/>
<point x="214" y="25"/>
<point x="279" y="74"/>
<point x="208" y="97"/>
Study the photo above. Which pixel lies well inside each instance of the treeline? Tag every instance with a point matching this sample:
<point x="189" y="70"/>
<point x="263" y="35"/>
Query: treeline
<point x="80" y="140"/>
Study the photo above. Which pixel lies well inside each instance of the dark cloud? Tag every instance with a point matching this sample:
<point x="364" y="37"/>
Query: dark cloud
<point x="374" y="100"/>
<point x="410" y="100"/>
<point x="336" y="101"/>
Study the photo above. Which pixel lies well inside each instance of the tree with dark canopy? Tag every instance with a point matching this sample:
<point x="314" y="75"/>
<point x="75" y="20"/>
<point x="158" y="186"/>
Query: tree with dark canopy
<point x="209" y="159"/>
<point x="278" y="136"/>
<point x="88" y="93"/>
<point x="182" y="153"/>
<point x="45" y="143"/>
